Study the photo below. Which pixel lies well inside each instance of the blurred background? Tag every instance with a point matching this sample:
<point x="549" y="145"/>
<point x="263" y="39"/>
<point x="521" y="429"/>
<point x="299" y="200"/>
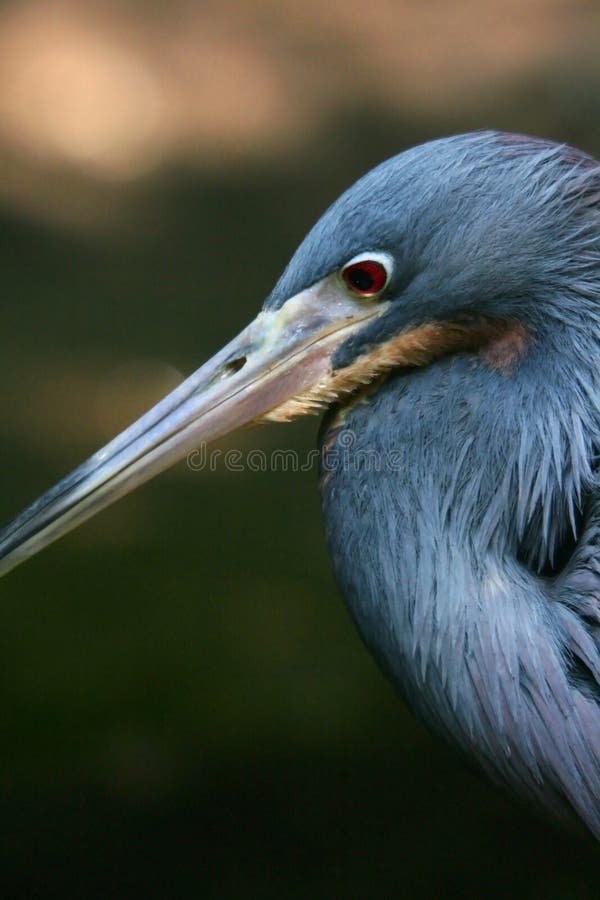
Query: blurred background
<point x="186" y="710"/>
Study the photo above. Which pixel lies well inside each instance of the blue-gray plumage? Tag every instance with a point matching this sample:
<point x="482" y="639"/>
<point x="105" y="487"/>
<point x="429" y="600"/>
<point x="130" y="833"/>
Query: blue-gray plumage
<point x="447" y="308"/>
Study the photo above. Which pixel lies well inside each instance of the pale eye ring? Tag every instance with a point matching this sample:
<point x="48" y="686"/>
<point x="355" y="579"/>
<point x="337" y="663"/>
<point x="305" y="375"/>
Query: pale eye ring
<point x="367" y="274"/>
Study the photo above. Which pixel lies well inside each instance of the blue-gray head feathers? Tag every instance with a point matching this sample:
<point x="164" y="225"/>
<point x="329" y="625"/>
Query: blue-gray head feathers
<point x="501" y="224"/>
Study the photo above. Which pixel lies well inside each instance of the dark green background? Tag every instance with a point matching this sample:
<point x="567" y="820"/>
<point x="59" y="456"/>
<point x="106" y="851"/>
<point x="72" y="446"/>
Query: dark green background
<point x="186" y="710"/>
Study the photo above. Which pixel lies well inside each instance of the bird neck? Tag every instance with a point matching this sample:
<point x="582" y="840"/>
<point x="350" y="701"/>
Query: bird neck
<point x="443" y="493"/>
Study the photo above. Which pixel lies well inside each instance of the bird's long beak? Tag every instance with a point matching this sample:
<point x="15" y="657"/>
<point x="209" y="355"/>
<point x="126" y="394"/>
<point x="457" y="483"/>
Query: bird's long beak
<point x="283" y="354"/>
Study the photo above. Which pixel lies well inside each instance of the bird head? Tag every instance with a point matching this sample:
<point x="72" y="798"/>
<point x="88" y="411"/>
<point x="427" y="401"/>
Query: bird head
<point x="470" y="242"/>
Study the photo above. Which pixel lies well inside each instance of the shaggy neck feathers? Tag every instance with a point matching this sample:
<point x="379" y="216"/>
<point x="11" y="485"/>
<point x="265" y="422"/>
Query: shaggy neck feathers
<point x="438" y="554"/>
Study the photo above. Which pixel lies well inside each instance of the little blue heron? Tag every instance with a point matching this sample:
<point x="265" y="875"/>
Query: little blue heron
<point x="446" y="310"/>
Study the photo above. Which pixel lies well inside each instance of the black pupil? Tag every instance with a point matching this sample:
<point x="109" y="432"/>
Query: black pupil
<point x="361" y="279"/>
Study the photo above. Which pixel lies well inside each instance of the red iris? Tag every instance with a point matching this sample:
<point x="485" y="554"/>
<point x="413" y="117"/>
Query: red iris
<point x="366" y="277"/>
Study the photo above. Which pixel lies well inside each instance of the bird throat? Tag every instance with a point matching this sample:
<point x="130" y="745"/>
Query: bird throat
<point x="500" y="343"/>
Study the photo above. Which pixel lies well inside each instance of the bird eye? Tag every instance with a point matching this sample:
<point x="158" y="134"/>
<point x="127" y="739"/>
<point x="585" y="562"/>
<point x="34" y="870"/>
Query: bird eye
<point x="367" y="276"/>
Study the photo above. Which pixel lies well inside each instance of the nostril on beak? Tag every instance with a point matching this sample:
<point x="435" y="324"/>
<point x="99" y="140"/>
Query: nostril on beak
<point x="234" y="365"/>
